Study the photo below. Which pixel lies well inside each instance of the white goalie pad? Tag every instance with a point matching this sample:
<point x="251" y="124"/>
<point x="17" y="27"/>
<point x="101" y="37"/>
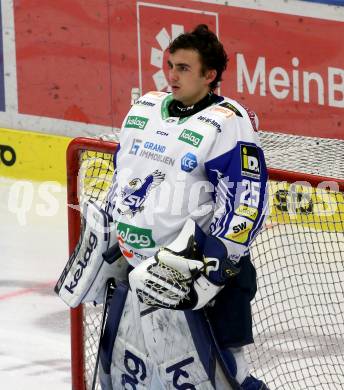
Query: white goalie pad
<point x="154" y="350"/>
<point x="86" y="272"/>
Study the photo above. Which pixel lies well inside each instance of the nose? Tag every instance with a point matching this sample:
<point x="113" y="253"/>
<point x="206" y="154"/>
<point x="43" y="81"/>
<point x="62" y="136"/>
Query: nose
<point x="172" y="75"/>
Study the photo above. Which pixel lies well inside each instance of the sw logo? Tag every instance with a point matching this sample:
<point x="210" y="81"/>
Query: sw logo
<point x="250" y="165"/>
<point x="239" y="230"/>
<point x="7" y="155"/>
<point x="189" y="162"/>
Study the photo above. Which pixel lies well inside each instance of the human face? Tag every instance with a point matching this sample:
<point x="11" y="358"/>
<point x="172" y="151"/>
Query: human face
<point x="185" y="76"/>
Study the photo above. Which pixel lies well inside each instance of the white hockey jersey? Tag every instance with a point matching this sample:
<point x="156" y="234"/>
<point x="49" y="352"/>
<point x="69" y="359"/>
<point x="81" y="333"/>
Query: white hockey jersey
<point x="208" y="166"/>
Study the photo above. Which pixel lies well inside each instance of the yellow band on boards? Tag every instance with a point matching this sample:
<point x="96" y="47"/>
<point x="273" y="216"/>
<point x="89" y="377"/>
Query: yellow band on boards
<point x="33" y="156"/>
<point x="319" y="209"/>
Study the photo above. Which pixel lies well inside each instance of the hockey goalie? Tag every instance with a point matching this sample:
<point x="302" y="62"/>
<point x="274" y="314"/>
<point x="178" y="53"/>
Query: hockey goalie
<point x="187" y="200"/>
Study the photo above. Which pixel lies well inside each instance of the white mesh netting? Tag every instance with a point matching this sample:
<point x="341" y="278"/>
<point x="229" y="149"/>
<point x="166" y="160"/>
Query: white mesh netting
<point x="298" y="310"/>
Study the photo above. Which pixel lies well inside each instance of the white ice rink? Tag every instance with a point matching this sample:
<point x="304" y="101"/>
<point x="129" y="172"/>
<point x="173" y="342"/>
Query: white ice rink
<point x="34" y="323"/>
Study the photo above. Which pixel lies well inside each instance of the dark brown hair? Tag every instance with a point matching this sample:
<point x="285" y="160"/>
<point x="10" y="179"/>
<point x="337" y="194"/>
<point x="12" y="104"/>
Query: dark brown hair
<point x="210" y="49"/>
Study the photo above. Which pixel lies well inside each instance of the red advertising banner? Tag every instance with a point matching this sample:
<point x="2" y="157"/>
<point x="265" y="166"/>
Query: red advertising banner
<point x="158" y="25"/>
<point x="79" y="60"/>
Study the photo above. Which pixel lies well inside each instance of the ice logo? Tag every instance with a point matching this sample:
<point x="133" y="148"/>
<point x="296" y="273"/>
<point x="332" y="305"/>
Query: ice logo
<point x="136" y="192"/>
<point x="189" y="162"/>
<point x="157" y="55"/>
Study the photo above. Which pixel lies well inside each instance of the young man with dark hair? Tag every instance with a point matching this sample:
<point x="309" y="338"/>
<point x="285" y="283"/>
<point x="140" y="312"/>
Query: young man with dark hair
<point x="187" y="201"/>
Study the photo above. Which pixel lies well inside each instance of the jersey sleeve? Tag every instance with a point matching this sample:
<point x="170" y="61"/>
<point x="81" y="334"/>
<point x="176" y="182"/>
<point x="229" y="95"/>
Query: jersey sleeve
<point x="237" y="170"/>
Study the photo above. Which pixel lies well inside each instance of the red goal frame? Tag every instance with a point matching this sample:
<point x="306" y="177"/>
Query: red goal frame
<point x="75" y="147"/>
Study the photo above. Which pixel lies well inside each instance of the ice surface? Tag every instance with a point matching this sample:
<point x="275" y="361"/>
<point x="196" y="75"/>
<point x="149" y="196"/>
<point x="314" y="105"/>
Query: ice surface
<point x="34" y="323"/>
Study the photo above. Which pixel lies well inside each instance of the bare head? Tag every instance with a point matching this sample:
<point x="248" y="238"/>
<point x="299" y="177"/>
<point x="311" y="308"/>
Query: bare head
<point x="196" y="62"/>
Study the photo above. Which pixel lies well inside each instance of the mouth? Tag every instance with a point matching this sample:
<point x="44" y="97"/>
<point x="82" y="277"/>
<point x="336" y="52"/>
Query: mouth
<point x="175" y="88"/>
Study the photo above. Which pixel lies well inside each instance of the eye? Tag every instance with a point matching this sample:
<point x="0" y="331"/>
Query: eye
<point x="183" y="68"/>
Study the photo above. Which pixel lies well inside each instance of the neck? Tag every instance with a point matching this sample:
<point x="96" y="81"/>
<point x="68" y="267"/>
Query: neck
<point x="195" y="100"/>
<point x="177" y="108"/>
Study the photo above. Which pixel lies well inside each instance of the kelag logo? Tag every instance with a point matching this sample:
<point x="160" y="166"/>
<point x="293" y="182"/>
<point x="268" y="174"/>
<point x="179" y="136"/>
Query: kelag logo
<point x="7" y="155"/>
<point x="136" y="237"/>
<point x="191" y="137"/>
<point x="136" y="122"/>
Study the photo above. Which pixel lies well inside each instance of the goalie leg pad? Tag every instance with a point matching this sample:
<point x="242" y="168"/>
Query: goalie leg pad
<point x="154" y="349"/>
<point x="85" y="275"/>
<point x="110" y="332"/>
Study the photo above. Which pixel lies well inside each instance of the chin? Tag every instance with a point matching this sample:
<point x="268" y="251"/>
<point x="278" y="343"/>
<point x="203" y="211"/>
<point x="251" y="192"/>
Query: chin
<point x="177" y="95"/>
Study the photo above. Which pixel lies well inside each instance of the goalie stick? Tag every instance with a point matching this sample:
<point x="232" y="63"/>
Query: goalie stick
<point x="111" y="255"/>
<point x="110" y="286"/>
<point x="220" y="358"/>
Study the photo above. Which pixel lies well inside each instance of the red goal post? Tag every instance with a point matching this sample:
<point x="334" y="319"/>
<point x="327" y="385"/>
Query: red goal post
<point x="299" y="261"/>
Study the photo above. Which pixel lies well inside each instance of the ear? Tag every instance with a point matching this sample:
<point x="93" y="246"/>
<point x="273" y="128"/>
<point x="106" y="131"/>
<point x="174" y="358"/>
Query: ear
<point x="210" y="75"/>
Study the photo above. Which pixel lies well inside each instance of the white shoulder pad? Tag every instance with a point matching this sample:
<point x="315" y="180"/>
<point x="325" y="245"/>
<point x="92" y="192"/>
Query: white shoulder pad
<point x="86" y="272"/>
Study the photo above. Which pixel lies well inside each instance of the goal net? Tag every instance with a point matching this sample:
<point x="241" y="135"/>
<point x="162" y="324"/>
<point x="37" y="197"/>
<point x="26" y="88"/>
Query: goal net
<point x="298" y="312"/>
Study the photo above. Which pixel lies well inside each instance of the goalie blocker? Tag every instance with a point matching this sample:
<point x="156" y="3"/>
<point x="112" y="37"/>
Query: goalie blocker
<point x="93" y="261"/>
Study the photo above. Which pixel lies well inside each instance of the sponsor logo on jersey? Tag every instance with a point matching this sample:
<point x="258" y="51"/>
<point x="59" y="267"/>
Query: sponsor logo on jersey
<point x="189" y="162"/>
<point x="135" y="146"/>
<point x="7" y="155"/>
<point x="128" y="252"/>
<point x="222" y="111"/>
<point x="239" y="230"/>
<point x="172" y="120"/>
<point x="247" y="211"/>
<point x="191" y="137"/>
<point x="230" y="106"/>
<point x="160" y="132"/>
<point x="136" y="122"/>
<point x="157" y="94"/>
<point x="136" y="192"/>
<point x="210" y="121"/>
<point x="151" y="151"/>
<point x="134" y="236"/>
<point x="157" y="157"/>
<point x="250" y="165"/>
<point x="154" y="147"/>
<point x="142" y="102"/>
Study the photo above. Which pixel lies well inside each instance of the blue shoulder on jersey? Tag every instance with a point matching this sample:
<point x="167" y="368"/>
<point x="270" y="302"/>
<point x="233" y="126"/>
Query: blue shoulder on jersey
<point x="239" y="177"/>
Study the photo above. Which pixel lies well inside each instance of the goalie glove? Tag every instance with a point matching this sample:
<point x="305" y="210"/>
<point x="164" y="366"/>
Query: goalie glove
<point x="182" y="276"/>
<point x="93" y="260"/>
